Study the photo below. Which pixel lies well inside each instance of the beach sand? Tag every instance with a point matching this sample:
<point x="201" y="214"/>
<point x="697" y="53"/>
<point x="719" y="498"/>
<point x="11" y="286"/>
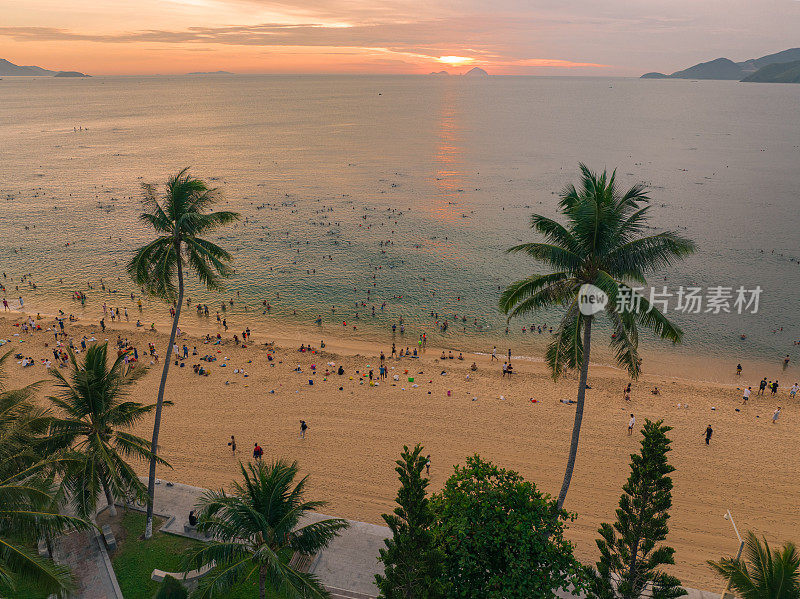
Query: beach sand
<point x="356" y="433"/>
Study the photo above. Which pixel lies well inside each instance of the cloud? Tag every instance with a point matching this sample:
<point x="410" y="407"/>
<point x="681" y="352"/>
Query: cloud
<point x="426" y="39"/>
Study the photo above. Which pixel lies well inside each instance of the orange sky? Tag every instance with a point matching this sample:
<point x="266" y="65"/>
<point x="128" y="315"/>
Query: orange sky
<point x="580" y="37"/>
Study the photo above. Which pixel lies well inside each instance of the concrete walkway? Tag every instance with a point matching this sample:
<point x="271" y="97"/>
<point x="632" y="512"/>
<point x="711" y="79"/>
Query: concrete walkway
<point x="89" y="563"/>
<point x="347" y="567"/>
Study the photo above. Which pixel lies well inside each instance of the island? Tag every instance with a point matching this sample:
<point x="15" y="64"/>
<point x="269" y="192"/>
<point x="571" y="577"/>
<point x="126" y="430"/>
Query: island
<point x="788" y="72"/>
<point x="779" y="69"/>
<point x="438" y="73"/>
<point x="476" y="72"/>
<point x="9" y="69"/>
<point x="71" y="74"/>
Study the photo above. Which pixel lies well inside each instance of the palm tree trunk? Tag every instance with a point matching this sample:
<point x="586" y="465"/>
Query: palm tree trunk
<point x="151" y="481"/>
<point x="111" y="508"/>
<point x="576" y="427"/>
<point x="262" y="586"/>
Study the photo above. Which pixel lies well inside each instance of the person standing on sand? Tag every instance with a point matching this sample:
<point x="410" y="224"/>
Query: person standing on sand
<point x="775" y="415"/>
<point x="428" y="465"/>
<point x="746" y="395"/>
<point x="775" y="388"/>
<point x="494" y="354"/>
<point x="762" y="385"/>
<point x="303" y="429"/>
<point x="232" y="444"/>
<point x="257" y="451"/>
<point x="631" y="424"/>
<point x="793" y="390"/>
<point x="708" y="433"/>
<point x="786" y="362"/>
<point x="394" y="351"/>
<point x="738" y="370"/>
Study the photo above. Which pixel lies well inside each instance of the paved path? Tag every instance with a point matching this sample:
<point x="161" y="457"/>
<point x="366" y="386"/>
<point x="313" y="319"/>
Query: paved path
<point x="347" y="567"/>
<point x="81" y="552"/>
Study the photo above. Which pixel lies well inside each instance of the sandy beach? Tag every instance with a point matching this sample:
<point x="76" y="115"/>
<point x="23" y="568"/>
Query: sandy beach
<point x="356" y="430"/>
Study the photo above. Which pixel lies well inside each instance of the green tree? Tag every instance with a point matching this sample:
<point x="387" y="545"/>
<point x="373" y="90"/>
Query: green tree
<point x="179" y="218"/>
<point x="601" y="245"/>
<point x="629" y="559"/>
<point x="171" y="588"/>
<point x="92" y="421"/>
<point x="501" y="537"/>
<point x="255" y="531"/>
<point x="412" y="561"/>
<point x="765" y="574"/>
<point x="28" y="505"/>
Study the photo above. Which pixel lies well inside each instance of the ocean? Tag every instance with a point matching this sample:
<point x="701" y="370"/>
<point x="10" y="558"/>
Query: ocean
<point x="406" y="187"/>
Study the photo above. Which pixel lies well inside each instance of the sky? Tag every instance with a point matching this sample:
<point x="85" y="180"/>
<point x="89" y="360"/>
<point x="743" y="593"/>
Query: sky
<point x="504" y="37"/>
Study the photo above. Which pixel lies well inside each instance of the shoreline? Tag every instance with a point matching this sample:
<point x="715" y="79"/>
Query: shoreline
<point x="356" y="430"/>
<point x="662" y="360"/>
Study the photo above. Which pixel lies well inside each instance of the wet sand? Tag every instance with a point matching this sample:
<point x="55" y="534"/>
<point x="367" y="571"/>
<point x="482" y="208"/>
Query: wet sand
<point x="357" y="432"/>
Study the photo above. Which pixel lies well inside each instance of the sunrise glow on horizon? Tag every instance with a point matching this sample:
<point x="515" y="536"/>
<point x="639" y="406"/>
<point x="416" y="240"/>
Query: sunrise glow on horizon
<point x="512" y="37"/>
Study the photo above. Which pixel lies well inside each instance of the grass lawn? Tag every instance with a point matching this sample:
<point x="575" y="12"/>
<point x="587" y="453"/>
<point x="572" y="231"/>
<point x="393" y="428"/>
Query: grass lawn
<point x="135" y="560"/>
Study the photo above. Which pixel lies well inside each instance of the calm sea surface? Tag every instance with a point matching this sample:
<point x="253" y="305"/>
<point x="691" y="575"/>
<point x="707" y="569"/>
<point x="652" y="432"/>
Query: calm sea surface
<point x="327" y="170"/>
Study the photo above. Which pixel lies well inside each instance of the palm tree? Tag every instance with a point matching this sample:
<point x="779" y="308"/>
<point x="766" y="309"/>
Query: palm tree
<point x="28" y="504"/>
<point x="256" y="530"/>
<point x="770" y="574"/>
<point x="179" y="218"/>
<point x="601" y="244"/>
<point x="94" y="416"/>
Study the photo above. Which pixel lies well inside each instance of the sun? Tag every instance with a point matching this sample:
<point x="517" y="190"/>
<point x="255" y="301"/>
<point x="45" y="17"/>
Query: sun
<point x="455" y="60"/>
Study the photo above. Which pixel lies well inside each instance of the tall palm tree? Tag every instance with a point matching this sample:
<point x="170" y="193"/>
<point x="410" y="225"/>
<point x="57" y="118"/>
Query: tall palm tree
<point x="601" y="244"/>
<point x="94" y="415"/>
<point x="179" y="218"/>
<point x="28" y="506"/>
<point x="256" y="530"/>
<point x="766" y="574"/>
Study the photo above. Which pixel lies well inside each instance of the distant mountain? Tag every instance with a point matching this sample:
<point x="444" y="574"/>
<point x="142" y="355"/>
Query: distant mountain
<point x="476" y="72"/>
<point x="720" y="68"/>
<point x="211" y="73"/>
<point x="724" y="68"/>
<point x="438" y="73"/>
<point x="70" y="74"/>
<point x="789" y="55"/>
<point x="10" y="69"/>
<point x="784" y="72"/>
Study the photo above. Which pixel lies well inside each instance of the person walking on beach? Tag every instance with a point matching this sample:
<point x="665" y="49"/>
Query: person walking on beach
<point x="746" y="395"/>
<point x="257" y="451"/>
<point x="793" y="390"/>
<point x="775" y="415"/>
<point x="232" y="444"/>
<point x="762" y="385"/>
<point x="738" y="370"/>
<point x="775" y="388"/>
<point x="494" y="354"/>
<point x="631" y="424"/>
<point x="786" y="362"/>
<point x="103" y="324"/>
<point x="394" y="351"/>
<point x="303" y="429"/>
<point x="708" y="433"/>
<point x="428" y="465"/>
